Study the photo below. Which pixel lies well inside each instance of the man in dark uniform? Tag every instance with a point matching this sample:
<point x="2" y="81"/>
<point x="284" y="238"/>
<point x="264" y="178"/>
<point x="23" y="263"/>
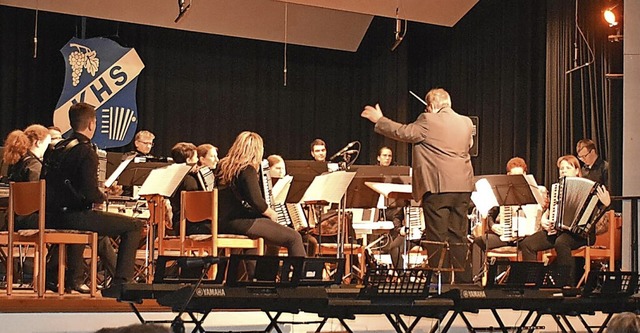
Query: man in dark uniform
<point x="74" y="199"/>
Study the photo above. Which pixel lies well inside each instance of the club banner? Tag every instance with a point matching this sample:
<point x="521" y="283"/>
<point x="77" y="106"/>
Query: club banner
<point x="104" y="74"/>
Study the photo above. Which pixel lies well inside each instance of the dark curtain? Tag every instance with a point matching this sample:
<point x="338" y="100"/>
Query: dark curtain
<point x="207" y="88"/>
<point x="581" y="102"/>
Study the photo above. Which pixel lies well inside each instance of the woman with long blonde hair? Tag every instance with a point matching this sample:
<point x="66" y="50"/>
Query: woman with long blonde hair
<point x="242" y="208"/>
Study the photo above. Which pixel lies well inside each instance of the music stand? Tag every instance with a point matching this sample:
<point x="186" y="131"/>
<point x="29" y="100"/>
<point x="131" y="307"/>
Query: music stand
<point x="510" y="190"/>
<point x="160" y="183"/>
<point x="303" y="173"/>
<point x="327" y="189"/>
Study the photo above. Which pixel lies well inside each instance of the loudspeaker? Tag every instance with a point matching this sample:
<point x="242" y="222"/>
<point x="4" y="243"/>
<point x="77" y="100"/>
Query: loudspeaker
<point x="473" y="151"/>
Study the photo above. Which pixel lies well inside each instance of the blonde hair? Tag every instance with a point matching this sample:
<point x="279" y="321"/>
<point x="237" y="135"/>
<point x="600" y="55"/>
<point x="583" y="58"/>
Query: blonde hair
<point x="439" y="98"/>
<point x="247" y="150"/>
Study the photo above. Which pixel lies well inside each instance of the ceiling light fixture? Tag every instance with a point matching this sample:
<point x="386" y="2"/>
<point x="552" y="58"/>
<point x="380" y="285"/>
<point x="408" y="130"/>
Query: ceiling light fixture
<point x="182" y="7"/>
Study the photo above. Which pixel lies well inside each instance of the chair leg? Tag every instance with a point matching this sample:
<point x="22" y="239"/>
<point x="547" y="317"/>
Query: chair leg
<point x="9" y="270"/>
<point x="94" y="264"/>
<point x="62" y="265"/>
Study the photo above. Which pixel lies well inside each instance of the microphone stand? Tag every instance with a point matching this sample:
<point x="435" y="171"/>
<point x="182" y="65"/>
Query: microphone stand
<point x="177" y="326"/>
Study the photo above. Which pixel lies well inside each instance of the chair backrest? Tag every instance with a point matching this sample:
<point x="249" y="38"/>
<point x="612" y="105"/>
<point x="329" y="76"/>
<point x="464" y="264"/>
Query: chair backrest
<point x="26" y="198"/>
<point x="197" y="206"/>
<point x="607" y="239"/>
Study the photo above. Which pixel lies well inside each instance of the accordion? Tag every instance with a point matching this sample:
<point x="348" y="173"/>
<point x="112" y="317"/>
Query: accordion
<point x="574" y="205"/>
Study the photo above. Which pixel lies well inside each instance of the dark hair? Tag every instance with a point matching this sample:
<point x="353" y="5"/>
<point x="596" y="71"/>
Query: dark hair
<point x="80" y="115"/>
<point x="317" y="142"/>
<point x="384" y="147"/>
<point x="183" y="151"/>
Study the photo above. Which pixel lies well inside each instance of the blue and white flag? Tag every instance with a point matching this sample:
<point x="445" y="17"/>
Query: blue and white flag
<point x="104" y="74"/>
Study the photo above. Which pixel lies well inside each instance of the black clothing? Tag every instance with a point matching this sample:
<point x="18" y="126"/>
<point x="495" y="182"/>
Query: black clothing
<point x="27" y="169"/>
<point x="189" y="183"/>
<point x="240" y="212"/>
<point x="451" y="209"/>
<point x="598" y="172"/>
<point x="71" y="170"/>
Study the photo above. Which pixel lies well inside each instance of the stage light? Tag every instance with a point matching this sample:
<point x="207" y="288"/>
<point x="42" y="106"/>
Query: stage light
<point x="610" y="17"/>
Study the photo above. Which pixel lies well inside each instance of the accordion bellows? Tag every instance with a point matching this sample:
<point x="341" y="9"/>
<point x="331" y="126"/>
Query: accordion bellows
<point x="574" y="205"/>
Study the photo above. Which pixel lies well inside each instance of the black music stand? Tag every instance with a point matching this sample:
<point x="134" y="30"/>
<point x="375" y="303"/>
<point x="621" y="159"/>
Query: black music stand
<point x="303" y="173"/>
<point x="510" y="190"/>
<point x="137" y="173"/>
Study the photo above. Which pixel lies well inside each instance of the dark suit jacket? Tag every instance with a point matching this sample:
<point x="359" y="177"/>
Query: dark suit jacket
<point x="441" y="161"/>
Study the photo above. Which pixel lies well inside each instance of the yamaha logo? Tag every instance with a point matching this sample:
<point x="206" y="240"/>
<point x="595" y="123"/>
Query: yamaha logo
<point x="210" y="292"/>
<point x="104" y="74"/>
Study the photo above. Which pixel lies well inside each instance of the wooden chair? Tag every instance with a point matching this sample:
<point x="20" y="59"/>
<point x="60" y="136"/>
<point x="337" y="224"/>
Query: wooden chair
<point x="203" y="205"/>
<point x="607" y="247"/>
<point x="26" y="198"/>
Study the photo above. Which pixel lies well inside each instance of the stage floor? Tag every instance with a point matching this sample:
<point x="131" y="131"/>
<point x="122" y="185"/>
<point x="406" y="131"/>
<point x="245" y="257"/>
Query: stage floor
<point x="24" y="312"/>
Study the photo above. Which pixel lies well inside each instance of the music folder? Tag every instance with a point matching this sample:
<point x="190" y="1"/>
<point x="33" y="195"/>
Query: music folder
<point x="164" y="181"/>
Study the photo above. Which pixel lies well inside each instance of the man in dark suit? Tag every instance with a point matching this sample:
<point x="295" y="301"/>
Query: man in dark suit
<point x="442" y="172"/>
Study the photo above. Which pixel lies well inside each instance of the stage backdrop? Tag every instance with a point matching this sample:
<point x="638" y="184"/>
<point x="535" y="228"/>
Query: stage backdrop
<point x="207" y="88"/>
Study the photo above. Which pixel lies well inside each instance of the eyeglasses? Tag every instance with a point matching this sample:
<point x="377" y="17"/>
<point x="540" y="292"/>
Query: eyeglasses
<point x="146" y="143"/>
<point x="584" y="155"/>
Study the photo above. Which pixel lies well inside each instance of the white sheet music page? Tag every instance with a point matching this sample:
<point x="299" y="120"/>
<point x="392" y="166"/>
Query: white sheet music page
<point x="118" y="171"/>
<point x="483" y="197"/>
<point x="281" y="189"/>
<point x="165" y="180"/>
<point x="539" y="192"/>
<point x="329" y="187"/>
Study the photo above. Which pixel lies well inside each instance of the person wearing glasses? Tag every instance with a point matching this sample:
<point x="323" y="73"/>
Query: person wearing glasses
<point x="143" y="142"/>
<point x="593" y="166"/>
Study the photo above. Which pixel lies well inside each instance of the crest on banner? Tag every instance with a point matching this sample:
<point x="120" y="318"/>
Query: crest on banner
<point x="104" y="74"/>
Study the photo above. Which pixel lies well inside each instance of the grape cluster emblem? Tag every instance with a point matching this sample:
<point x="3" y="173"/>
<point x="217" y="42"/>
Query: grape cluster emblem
<point x="82" y="58"/>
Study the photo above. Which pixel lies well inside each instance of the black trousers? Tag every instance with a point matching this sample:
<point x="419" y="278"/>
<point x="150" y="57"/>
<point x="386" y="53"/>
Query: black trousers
<point x="105" y="224"/>
<point x="446" y="231"/>
<point x="563" y="243"/>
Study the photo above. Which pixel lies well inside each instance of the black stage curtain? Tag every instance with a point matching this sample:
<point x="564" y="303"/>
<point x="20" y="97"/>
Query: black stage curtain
<point x="207" y="88"/>
<point x="581" y="102"/>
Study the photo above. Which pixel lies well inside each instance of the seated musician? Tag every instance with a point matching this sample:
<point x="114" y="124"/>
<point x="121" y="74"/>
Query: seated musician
<point x="71" y="170"/>
<point x="562" y="241"/>
<point x="207" y="163"/>
<point x="277" y="170"/>
<point x="494" y="236"/>
<point x="319" y="150"/>
<point x="186" y="152"/>
<point x="242" y="208"/>
<point x="143" y="142"/>
<point x="395" y="247"/>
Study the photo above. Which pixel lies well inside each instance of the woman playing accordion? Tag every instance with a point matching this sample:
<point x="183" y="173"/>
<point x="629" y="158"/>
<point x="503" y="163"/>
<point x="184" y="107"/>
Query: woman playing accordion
<point x="558" y="235"/>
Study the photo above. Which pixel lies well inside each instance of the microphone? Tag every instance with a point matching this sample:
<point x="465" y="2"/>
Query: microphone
<point x="343" y="150"/>
<point x="351" y="151"/>
<point x="191" y="262"/>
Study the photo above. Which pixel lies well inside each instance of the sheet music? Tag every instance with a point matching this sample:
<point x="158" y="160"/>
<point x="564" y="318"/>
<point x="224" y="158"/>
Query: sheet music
<point x="165" y="180"/>
<point x="328" y="187"/>
<point x="118" y="171"/>
<point x="281" y="189"/>
<point x="483" y="197"/>
<point x="539" y="192"/>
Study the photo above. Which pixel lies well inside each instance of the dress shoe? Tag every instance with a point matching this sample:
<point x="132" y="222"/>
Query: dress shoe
<point x="81" y="288"/>
<point x="113" y="291"/>
<point x="51" y="286"/>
